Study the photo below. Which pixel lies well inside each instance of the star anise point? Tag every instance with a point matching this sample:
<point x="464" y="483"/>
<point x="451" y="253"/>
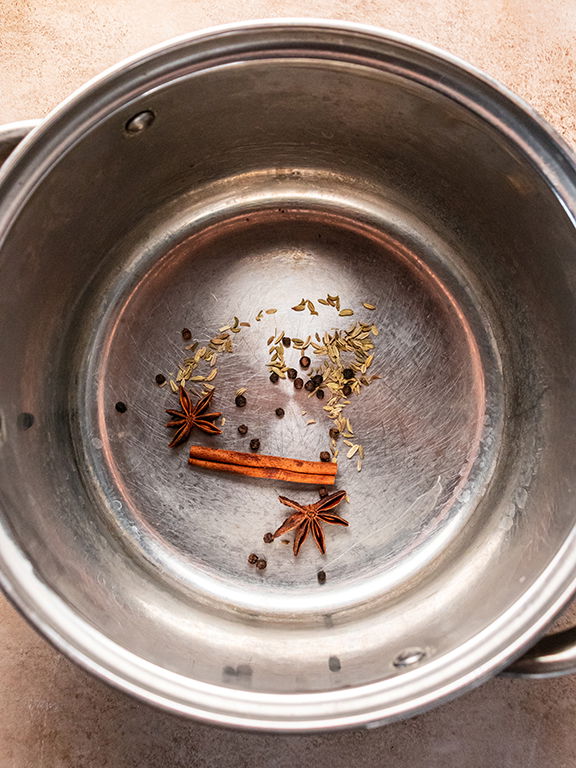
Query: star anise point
<point x="308" y="518"/>
<point x="191" y="415"/>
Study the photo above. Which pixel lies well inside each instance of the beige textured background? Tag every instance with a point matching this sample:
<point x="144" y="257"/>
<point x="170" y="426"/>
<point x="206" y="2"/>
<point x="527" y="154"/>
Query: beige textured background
<point x="52" y="715"/>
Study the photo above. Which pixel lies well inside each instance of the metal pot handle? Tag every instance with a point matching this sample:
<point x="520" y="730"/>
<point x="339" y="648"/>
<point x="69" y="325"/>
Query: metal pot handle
<point x="552" y="656"/>
<point x="12" y="134"/>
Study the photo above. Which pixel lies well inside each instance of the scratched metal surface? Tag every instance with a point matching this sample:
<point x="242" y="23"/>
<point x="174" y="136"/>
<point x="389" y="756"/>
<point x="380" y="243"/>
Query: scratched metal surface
<point x="198" y="219"/>
<point x="420" y="424"/>
<point x="428" y="425"/>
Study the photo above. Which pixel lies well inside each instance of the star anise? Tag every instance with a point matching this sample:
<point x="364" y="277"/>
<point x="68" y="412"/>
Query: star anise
<point x="308" y="518"/>
<point x="192" y="415"/>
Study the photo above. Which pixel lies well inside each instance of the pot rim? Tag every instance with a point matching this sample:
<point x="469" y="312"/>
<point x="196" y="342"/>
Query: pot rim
<point x="413" y="690"/>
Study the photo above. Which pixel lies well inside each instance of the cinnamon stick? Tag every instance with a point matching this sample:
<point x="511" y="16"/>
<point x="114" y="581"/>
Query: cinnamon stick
<point x="271" y="473"/>
<point x="262" y="461"/>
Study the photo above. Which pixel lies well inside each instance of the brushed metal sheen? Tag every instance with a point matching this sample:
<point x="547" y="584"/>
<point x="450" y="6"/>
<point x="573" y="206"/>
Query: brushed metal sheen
<point x="242" y="168"/>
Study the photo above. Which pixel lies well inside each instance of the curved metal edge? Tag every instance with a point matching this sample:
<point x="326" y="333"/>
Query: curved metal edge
<point x="553" y="656"/>
<point x="11" y="134"/>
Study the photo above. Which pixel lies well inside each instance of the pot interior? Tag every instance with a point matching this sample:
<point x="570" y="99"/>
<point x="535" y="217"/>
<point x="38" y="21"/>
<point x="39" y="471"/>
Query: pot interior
<point x="264" y="178"/>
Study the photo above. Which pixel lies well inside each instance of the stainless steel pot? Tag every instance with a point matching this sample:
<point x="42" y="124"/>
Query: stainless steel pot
<point x="239" y="169"/>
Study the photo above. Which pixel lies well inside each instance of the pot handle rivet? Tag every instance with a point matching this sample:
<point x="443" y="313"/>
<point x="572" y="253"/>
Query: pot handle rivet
<point x="409" y="657"/>
<point x="140" y="122"/>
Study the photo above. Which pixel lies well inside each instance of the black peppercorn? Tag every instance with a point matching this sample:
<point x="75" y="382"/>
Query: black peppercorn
<point x="160" y="379"/>
<point x="243" y="429"/>
<point x="348" y="373"/>
<point x="252" y="559"/>
<point x="322" y="492"/>
<point x="320" y="394"/>
<point x="186" y="334"/>
<point x="268" y="538"/>
<point x="261" y="564"/>
<point x="304" y="362"/>
<point x="254" y="444"/>
<point x="298" y="383"/>
<point x="346" y="390"/>
<point x="121" y="407"/>
<point x="334" y="433"/>
<point x="309" y="386"/>
<point x="317" y="380"/>
<point x="279" y="412"/>
<point x="286" y="340"/>
<point x="25" y="420"/>
<point x="240" y="401"/>
<point x="274" y="377"/>
<point x="321" y="576"/>
<point x="325" y="456"/>
<point x="292" y="373"/>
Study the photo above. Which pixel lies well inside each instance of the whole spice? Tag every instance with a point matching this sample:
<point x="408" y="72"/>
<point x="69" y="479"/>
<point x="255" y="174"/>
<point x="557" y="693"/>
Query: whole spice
<point x="321" y="576"/>
<point x="307" y="518"/>
<point x="121" y="407"/>
<point x="274" y="377"/>
<point x="261" y="564"/>
<point x="325" y="456"/>
<point x="240" y="401"/>
<point x="298" y="383"/>
<point x="304" y="362"/>
<point x="279" y="412"/>
<point x="311" y="307"/>
<point x="309" y="386"/>
<point x="160" y="379"/>
<point x="317" y="380"/>
<point x="286" y="340"/>
<point x="192" y="415"/>
<point x="300" y="466"/>
<point x="265" y="472"/>
<point x="334" y="433"/>
<point x="186" y="334"/>
<point x="268" y="538"/>
<point x="292" y="373"/>
<point x="320" y="394"/>
<point x="243" y="429"/>
<point x="322" y="492"/>
<point x="348" y="373"/>
<point x="25" y="420"/>
<point x="352" y="451"/>
<point x="346" y="390"/>
<point x="270" y="467"/>
<point x="252" y="559"/>
<point x="254" y="444"/>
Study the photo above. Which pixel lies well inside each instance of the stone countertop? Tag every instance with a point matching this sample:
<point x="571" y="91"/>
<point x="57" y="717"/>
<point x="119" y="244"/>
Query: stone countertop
<point x="54" y="714"/>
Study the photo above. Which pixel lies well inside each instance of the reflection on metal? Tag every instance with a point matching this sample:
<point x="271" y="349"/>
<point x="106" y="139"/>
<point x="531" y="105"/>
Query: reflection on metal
<point x="292" y="159"/>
